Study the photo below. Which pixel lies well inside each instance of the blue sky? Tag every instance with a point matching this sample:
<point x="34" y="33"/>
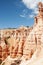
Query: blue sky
<point x="15" y="13"/>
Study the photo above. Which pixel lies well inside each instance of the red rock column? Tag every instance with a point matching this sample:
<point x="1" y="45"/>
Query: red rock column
<point x="20" y="47"/>
<point x="0" y="53"/>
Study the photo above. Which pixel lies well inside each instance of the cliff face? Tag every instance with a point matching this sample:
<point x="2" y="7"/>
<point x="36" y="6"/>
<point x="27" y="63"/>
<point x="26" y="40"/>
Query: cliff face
<point x="33" y="41"/>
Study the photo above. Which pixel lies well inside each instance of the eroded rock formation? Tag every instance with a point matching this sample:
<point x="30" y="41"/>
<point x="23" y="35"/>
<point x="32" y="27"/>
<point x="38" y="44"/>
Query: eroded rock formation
<point x="12" y="41"/>
<point x="26" y="46"/>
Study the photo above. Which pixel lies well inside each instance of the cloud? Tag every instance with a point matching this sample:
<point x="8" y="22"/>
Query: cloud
<point x="31" y="16"/>
<point x="22" y="15"/>
<point x="32" y="4"/>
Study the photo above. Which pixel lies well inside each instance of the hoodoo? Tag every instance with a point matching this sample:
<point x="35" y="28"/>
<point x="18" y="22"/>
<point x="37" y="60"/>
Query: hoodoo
<point x="33" y="41"/>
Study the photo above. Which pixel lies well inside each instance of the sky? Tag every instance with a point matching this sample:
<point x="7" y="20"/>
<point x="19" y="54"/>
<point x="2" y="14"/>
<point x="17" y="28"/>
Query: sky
<point x="16" y="13"/>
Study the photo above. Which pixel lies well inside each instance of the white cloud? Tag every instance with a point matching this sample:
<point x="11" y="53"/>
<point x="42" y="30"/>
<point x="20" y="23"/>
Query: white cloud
<point x="31" y="16"/>
<point x="22" y="15"/>
<point x="32" y="4"/>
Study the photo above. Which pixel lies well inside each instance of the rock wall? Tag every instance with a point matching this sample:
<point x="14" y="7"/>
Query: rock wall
<point x="33" y="41"/>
